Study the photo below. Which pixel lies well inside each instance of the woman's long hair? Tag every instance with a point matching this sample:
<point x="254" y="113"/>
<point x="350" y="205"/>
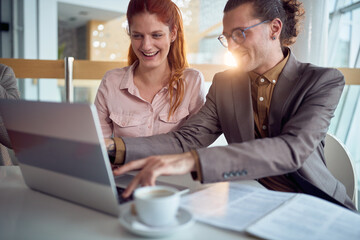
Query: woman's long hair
<point x="168" y="13"/>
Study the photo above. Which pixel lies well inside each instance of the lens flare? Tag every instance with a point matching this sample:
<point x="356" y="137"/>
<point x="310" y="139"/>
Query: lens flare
<point x="230" y="60"/>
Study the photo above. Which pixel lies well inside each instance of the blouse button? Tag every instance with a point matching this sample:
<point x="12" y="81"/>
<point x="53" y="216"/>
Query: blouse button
<point x="261" y="99"/>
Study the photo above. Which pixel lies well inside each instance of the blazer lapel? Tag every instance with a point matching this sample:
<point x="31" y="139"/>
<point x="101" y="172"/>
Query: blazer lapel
<point x="241" y="90"/>
<point x="282" y="90"/>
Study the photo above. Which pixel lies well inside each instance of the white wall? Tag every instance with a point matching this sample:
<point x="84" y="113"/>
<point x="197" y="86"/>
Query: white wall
<point x="311" y="45"/>
<point x="111" y="5"/>
<point x="30" y="29"/>
<point x="5" y="16"/>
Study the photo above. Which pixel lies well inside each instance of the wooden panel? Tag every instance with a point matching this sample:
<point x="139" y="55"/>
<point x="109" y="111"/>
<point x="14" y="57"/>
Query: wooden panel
<point x="84" y="69"/>
<point x="352" y="75"/>
<point x="33" y="68"/>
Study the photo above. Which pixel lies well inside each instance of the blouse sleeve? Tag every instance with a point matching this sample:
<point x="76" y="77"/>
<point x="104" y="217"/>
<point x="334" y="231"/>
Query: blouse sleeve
<point x="197" y="89"/>
<point x="101" y="103"/>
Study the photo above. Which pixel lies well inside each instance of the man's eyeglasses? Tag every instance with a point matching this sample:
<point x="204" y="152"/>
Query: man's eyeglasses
<point x="238" y="35"/>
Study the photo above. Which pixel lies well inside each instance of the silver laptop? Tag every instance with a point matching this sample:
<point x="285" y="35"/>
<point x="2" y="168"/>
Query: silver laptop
<point x="61" y="152"/>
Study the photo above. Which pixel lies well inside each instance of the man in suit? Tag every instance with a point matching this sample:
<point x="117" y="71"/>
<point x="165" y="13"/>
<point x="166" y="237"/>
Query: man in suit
<point x="273" y="110"/>
<point x="8" y="90"/>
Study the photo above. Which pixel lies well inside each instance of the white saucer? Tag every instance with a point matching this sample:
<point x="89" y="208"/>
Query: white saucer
<point x="134" y="225"/>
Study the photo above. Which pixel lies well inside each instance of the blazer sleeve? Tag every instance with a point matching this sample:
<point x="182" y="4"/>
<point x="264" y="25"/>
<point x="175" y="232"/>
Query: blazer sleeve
<point x="305" y="121"/>
<point x="8" y="85"/>
<point x="8" y="90"/>
<point x="198" y="131"/>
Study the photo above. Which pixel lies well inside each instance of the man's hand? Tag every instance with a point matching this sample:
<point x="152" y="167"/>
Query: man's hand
<point x="110" y="146"/>
<point x="154" y="166"/>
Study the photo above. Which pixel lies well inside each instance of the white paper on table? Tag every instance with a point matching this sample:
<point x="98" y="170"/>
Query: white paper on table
<point x="308" y="217"/>
<point x="233" y="205"/>
<point x="272" y="215"/>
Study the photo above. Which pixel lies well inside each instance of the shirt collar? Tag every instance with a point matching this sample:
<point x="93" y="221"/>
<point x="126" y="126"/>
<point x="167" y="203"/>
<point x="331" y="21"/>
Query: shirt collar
<point x="128" y="78"/>
<point x="273" y="74"/>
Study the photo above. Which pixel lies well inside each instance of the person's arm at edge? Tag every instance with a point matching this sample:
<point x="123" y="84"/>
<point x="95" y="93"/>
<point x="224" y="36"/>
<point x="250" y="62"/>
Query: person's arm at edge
<point x="8" y="85"/>
<point x="8" y="90"/>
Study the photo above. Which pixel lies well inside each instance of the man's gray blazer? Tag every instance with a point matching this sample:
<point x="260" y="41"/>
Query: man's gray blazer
<point x="303" y="102"/>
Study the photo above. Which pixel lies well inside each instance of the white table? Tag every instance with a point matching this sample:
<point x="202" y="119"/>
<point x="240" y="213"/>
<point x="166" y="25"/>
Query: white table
<point x="27" y="214"/>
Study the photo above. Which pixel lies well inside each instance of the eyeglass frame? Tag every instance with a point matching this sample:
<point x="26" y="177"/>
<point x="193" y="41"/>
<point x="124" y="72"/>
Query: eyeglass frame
<point x="222" y="36"/>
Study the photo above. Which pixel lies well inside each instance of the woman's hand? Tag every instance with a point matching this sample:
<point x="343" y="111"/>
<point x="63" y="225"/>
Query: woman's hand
<point x="154" y="166"/>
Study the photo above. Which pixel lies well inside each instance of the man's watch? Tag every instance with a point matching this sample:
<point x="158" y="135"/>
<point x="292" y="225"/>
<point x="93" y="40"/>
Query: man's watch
<point x="112" y="159"/>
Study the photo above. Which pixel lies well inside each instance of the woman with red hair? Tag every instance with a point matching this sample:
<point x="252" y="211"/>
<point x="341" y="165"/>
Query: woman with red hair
<point x="157" y="92"/>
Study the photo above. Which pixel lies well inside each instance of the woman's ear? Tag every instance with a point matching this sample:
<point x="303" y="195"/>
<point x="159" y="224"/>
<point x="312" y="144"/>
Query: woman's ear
<point x="173" y="34"/>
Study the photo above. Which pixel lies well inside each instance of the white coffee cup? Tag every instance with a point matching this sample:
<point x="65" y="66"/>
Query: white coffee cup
<point x="157" y="205"/>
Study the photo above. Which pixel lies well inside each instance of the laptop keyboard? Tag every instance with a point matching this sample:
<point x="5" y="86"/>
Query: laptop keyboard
<point x="122" y="200"/>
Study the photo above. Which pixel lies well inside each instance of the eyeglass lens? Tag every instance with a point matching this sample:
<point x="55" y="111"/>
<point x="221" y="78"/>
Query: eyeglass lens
<point x="238" y="36"/>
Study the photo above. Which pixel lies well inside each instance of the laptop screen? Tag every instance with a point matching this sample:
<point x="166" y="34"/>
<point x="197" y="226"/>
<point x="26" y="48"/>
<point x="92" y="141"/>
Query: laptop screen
<point x="61" y="151"/>
<point x="59" y="137"/>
